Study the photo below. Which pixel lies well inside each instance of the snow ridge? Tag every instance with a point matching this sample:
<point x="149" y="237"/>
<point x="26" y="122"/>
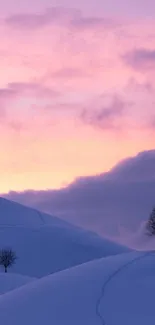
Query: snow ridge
<point x="111" y="276"/>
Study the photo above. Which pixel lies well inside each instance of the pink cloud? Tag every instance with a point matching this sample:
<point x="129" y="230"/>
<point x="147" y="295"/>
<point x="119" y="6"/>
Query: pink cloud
<point x="145" y="86"/>
<point x="106" y="116"/>
<point x="10" y="96"/>
<point x="59" y="15"/>
<point x="143" y="59"/>
<point x="152" y="123"/>
<point x="70" y="73"/>
<point x="38" y="20"/>
<point x="35" y="88"/>
<point x="69" y="63"/>
<point x="95" y="22"/>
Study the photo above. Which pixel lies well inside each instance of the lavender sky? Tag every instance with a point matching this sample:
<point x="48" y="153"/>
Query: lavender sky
<point x="76" y="88"/>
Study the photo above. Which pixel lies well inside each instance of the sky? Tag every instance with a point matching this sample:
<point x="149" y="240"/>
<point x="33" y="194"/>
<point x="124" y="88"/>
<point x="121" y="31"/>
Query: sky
<point x="76" y="89"/>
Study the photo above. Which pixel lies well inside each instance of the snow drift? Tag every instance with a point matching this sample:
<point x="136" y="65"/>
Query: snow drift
<point x="10" y="282"/>
<point x="113" y="290"/>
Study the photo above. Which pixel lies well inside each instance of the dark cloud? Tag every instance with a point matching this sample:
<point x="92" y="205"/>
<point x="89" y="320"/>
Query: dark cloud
<point x="105" y="116"/>
<point x="59" y="15"/>
<point x="140" y="58"/>
<point x="122" y="197"/>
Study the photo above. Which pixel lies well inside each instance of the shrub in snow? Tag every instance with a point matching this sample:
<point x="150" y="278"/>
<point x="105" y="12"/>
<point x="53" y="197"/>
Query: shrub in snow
<point x="151" y="223"/>
<point x="7" y="258"/>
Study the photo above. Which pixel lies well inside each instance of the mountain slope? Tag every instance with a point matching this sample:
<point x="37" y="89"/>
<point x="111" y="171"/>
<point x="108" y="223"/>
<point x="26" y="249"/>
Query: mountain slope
<point x="114" y="290"/>
<point x="48" y="247"/>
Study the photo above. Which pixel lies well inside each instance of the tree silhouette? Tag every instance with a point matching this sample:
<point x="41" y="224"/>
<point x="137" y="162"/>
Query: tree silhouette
<point x="151" y="223"/>
<point x="7" y="258"/>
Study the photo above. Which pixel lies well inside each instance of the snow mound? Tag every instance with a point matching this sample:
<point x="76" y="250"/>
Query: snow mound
<point x="48" y="247"/>
<point x="10" y="282"/>
<point x="113" y="290"/>
<point x="13" y="214"/>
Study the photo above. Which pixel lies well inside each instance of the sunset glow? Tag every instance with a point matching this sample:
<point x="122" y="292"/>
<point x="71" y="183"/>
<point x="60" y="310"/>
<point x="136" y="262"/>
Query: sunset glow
<point x="76" y="89"/>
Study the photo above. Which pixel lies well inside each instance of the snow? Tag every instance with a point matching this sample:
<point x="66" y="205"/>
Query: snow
<point x="13" y="214"/>
<point x="9" y="282"/>
<point x="74" y="280"/>
<point x="45" y="244"/>
<point x="131" y="294"/>
<point x="114" y="290"/>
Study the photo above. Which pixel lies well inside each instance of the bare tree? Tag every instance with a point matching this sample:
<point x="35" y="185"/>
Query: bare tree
<point x="7" y="258"/>
<point x="151" y="223"/>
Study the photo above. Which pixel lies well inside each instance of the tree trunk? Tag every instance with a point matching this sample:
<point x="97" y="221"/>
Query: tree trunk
<point x="5" y="269"/>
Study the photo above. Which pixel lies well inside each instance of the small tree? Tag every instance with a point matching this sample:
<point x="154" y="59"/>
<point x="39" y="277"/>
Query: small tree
<point x="151" y="223"/>
<point x="7" y="258"/>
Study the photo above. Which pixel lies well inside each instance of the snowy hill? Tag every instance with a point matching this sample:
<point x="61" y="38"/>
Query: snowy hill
<point x="113" y="290"/>
<point x="15" y="214"/>
<point x="45" y="244"/>
<point x="10" y="282"/>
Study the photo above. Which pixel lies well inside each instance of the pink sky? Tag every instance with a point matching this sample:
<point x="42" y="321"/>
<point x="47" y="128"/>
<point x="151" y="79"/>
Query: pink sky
<point x="76" y="89"/>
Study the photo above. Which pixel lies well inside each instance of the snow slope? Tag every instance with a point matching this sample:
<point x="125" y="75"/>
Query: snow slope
<point x="45" y="244"/>
<point x="13" y="214"/>
<point x="115" y="290"/>
<point x="9" y="282"/>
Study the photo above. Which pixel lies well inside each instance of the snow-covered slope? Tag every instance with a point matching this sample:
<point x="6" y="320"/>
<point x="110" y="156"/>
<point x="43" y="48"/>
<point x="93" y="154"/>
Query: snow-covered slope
<point x="114" y="290"/>
<point x="45" y="244"/>
<point x="9" y="282"/>
<point x="13" y="214"/>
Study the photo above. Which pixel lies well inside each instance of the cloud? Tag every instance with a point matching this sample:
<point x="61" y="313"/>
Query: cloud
<point x="152" y="123"/>
<point x="6" y="96"/>
<point x="90" y="22"/>
<point x="122" y="197"/>
<point x="140" y="59"/>
<point x="106" y="116"/>
<point x="17" y="126"/>
<point x="8" y="92"/>
<point x="38" y="20"/>
<point x="140" y="168"/>
<point x="30" y="87"/>
<point x="15" y="89"/>
<point x="59" y="15"/>
<point x="141" y="87"/>
<point x="70" y="73"/>
<point x="22" y="101"/>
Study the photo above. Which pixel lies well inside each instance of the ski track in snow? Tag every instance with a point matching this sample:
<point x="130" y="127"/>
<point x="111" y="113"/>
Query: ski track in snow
<point x="41" y="217"/>
<point x="111" y="276"/>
